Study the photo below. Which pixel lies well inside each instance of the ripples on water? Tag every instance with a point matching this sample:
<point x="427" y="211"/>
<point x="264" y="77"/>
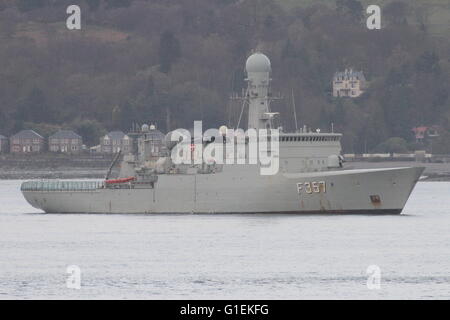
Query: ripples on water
<point x="226" y="256"/>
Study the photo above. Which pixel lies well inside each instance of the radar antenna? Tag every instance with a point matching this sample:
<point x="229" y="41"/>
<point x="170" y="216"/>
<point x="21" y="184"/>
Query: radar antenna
<point x="244" y="99"/>
<point x="295" y="112"/>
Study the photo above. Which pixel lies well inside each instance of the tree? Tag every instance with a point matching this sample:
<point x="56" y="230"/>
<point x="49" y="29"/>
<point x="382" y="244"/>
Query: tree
<point x="352" y="8"/>
<point x="393" y="145"/>
<point x="3" y="121"/>
<point x="428" y="62"/>
<point x="338" y="117"/>
<point x="118" y="3"/>
<point x="93" y="4"/>
<point x="124" y="116"/>
<point x="396" y="12"/>
<point x="169" y="51"/>
<point x="43" y="129"/>
<point x="442" y="143"/>
<point x="35" y="108"/>
<point x="28" y="5"/>
<point x="90" y="130"/>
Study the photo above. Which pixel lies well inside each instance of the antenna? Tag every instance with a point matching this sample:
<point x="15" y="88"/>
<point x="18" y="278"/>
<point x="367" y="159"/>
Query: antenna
<point x="295" y="112"/>
<point x="244" y="100"/>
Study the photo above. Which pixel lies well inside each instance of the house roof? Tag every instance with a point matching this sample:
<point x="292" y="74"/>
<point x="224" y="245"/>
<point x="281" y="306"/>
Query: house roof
<point x="27" y="134"/>
<point x="349" y="73"/>
<point x="65" y="134"/>
<point x="420" y="129"/>
<point x="116" y="135"/>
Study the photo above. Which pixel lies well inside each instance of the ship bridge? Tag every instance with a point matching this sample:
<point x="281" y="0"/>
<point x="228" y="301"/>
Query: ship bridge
<point x="310" y="137"/>
<point x="310" y="152"/>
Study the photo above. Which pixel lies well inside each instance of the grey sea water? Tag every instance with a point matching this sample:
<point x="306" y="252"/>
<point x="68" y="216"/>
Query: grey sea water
<point x="226" y="256"/>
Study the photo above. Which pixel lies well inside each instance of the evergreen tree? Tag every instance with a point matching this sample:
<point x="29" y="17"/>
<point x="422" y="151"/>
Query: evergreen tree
<point x="169" y="51"/>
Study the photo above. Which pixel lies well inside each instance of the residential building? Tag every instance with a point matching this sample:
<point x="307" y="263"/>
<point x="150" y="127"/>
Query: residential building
<point x="151" y="143"/>
<point x="3" y="144"/>
<point x="114" y="142"/>
<point x="349" y="83"/>
<point x="65" y="141"/>
<point x="423" y="132"/>
<point x="26" y="141"/>
<point x="419" y="133"/>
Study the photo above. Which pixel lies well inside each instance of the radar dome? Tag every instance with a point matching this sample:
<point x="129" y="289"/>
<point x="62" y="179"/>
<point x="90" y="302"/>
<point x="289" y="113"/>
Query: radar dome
<point x="223" y="130"/>
<point x="257" y="62"/>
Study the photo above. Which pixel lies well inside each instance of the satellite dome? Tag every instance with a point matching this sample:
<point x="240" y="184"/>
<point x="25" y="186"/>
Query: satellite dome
<point x="223" y="130"/>
<point x="144" y="128"/>
<point x="257" y="62"/>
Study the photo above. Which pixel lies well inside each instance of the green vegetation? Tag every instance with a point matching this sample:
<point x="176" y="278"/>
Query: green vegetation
<point x="171" y="62"/>
<point x="393" y="145"/>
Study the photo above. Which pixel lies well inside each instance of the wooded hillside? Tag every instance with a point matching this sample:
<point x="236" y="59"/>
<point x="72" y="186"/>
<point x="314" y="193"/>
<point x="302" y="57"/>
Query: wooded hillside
<point x="171" y="62"/>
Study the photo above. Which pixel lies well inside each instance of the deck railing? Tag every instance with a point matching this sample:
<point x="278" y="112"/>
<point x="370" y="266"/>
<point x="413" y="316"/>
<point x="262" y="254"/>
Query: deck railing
<point x="61" y="185"/>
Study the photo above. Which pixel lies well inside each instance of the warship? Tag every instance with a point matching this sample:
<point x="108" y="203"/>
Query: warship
<point x="311" y="175"/>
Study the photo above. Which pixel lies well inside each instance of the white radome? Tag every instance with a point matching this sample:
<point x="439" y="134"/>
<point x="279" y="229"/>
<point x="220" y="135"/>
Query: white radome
<point x="223" y="130"/>
<point x="258" y="62"/>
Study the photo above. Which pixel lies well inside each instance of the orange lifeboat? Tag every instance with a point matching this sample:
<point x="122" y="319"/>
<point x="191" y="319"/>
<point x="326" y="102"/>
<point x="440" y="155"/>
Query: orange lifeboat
<point x="121" y="180"/>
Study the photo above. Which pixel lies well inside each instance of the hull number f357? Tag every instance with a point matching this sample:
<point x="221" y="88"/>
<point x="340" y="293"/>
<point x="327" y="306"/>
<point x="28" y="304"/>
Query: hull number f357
<point x="312" y="187"/>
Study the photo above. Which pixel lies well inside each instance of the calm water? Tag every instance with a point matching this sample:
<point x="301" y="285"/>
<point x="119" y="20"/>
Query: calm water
<point x="226" y="256"/>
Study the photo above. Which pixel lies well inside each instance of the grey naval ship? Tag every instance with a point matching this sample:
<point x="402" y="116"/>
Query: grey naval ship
<point x="312" y="176"/>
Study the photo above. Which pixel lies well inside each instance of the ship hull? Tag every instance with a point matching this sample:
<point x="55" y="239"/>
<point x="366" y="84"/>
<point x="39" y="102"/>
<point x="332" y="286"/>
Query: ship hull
<point x="241" y="189"/>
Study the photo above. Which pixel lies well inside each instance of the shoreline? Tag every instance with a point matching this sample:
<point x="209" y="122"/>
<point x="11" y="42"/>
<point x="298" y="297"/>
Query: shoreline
<point x="98" y="169"/>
